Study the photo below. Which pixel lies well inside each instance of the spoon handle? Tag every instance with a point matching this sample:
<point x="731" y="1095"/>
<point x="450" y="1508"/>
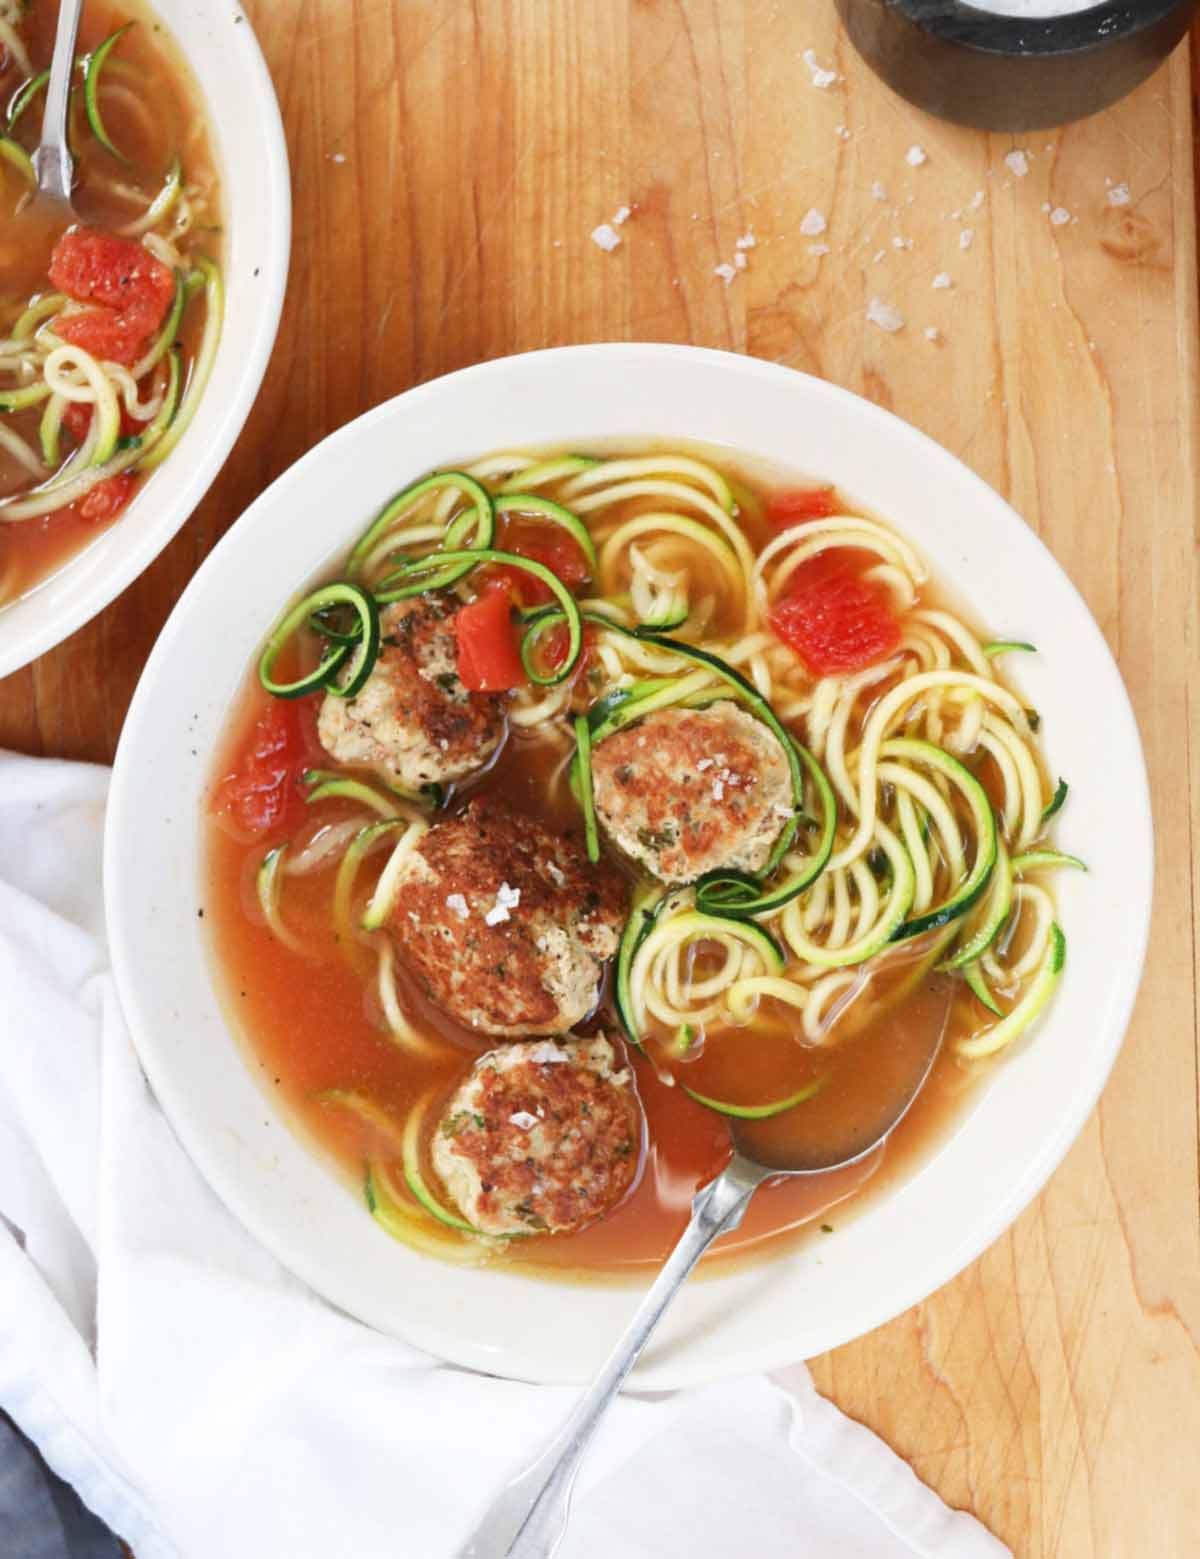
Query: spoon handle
<point x="52" y="162"/>
<point x="528" y="1519"/>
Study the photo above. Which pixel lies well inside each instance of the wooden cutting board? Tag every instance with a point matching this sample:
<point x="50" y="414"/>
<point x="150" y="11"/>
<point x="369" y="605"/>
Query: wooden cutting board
<point x="449" y="163"/>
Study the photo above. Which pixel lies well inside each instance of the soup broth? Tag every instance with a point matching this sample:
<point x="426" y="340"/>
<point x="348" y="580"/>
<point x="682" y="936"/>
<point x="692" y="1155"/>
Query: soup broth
<point x="822" y="1026"/>
<point x="90" y="410"/>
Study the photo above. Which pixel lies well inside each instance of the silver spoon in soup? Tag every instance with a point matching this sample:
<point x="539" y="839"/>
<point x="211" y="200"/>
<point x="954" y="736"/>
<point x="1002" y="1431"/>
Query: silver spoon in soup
<point x="529" y="1518"/>
<point x="53" y="164"/>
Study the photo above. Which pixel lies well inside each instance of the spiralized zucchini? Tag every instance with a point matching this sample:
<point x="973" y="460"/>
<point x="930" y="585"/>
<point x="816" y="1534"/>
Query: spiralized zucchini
<point x="919" y="798"/>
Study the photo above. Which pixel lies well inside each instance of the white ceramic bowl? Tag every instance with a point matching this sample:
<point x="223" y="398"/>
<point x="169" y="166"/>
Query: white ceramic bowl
<point x="904" y="1244"/>
<point x="251" y="156"/>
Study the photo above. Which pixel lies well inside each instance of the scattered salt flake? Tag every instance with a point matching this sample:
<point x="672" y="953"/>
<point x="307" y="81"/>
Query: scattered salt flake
<point x="955" y="216"/>
<point x="901" y="243"/>
<point x="1045" y="205"/>
<point x="915" y="156"/>
<point x="620" y="215"/>
<point x="718" y="790"/>
<point x="966" y="238"/>
<point x="878" y="191"/>
<point x="976" y="200"/>
<point x="1060" y="216"/>
<point x="523" y="1120"/>
<point x="822" y="79"/>
<point x="458" y="904"/>
<point x="725" y="272"/>
<point x="813" y="223"/>
<point x="1017" y="163"/>
<point x="606" y="237"/>
<point x="885" y="316"/>
<point x="1118" y="195"/>
<point x="506" y="898"/>
<point x="880" y="254"/>
<point x="932" y="333"/>
<point x="941" y="281"/>
<point x="548" y="1054"/>
<point x="746" y="241"/>
<point x="705" y="763"/>
<point x="843" y="132"/>
<point x="819" y="249"/>
<point x="740" y="260"/>
<point x="337" y="156"/>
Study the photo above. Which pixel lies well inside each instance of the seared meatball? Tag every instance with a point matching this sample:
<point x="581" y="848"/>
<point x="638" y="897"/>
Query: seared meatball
<point x="413" y="719"/>
<point x="541" y="1138"/>
<point x="686" y="791"/>
<point x="507" y="924"/>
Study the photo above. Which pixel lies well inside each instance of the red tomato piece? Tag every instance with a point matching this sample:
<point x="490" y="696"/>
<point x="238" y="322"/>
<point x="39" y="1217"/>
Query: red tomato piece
<point x="264" y="787"/>
<point x="132" y="291"/>
<point x="561" y="556"/>
<point x="488" y="661"/>
<point x="809" y="503"/>
<point x="77" y="419"/>
<point x="106" y="500"/>
<point x="833" y="618"/>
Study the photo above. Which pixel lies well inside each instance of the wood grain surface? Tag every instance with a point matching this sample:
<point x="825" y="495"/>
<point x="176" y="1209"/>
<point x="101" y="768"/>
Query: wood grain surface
<point x="450" y="159"/>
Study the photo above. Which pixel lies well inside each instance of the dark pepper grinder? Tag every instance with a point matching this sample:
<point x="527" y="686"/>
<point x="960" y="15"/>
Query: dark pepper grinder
<point x="1000" y="65"/>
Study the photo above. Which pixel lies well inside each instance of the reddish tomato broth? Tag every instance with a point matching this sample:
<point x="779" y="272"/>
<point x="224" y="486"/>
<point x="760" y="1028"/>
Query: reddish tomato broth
<point x="313" y="1024"/>
<point x="161" y="118"/>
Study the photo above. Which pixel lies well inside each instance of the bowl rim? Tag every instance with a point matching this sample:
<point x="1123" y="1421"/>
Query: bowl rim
<point x="180" y="503"/>
<point x="691" y="1365"/>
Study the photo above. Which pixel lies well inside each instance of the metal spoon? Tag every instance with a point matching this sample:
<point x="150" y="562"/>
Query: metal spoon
<point x="53" y="164"/>
<point x="528" y="1519"/>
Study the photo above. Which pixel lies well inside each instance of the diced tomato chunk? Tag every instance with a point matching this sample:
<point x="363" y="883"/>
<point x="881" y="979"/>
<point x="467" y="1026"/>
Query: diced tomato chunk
<point x="808" y="503"/>
<point x="561" y="556"/>
<point x="106" y="500"/>
<point x="834" y="619"/>
<point x="77" y="419"/>
<point x="132" y="291"/>
<point x="488" y="660"/>
<point x="264" y="787"/>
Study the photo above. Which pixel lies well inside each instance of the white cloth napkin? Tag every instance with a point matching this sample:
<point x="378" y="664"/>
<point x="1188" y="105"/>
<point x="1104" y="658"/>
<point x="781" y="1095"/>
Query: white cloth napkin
<point x="203" y="1402"/>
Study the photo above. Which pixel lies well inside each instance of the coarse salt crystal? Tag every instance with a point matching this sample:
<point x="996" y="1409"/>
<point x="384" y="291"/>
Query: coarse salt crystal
<point x="1060" y="216"/>
<point x="523" y="1121"/>
<point x="966" y="238"/>
<point x="941" y="281"/>
<point x="705" y="763"/>
<point x="915" y="156"/>
<point x="606" y="237"/>
<point x="718" y="790"/>
<point x="746" y="241"/>
<point x="976" y="200"/>
<point x="902" y="243"/>
<point x="823" y="79"/>
<point x="880" y="254"/>
<point x="506" y="898"/>
<point x="621" y="214"/>
<point x="1017" y="163"/>
<point x="878" y="191"/>
<point x="725" y="272"/>
<point x="337" y="156"/>
<point x="843" y="132"/>
<point x="1118" y="195"/>
<point x="932" y="333"/>
<point x="458" y="904"/>
<point x="885" y="316"/>
<point x="813" y="223"/>
<point x="819" y="249"/>
<point x="740" y="261"/>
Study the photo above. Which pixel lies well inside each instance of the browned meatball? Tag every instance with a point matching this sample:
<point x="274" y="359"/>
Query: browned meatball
<point x="541" y="1138"/>
<point x="413" y="719"/>
<point x="507" y="925"/>
<point x="686" y="791"/>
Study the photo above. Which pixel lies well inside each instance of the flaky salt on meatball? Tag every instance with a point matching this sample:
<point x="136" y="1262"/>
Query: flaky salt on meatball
<point x="688" y="791"/>
<point x="507" y="925"/>
<point x="540" y="1138"/>
<point x="413" y="720"/>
